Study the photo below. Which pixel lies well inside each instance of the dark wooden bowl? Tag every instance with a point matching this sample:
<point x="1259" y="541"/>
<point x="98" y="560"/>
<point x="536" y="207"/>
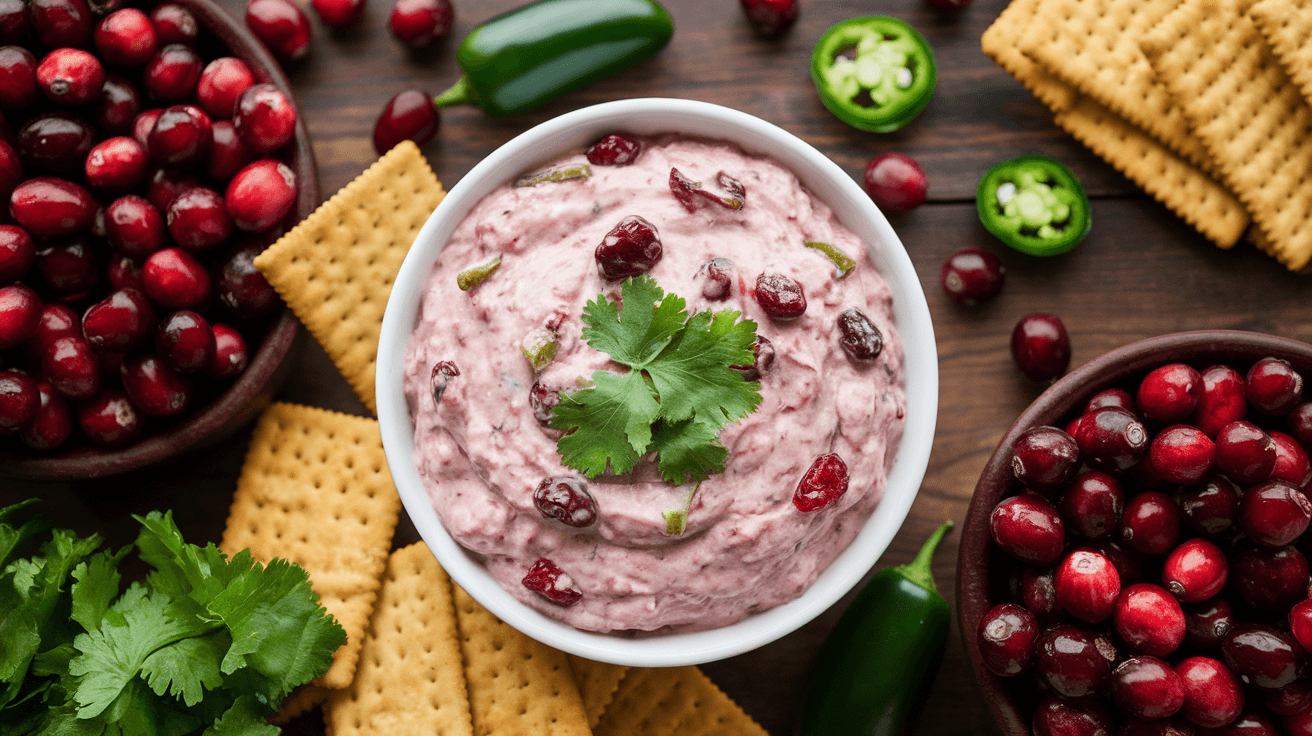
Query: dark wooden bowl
<point x="982" y="570"/>
<point x="269" y="366"/>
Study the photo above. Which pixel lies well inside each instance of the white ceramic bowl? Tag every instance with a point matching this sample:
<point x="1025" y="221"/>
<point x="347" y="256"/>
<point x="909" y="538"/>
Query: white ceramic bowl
<point x="573" y="132"/>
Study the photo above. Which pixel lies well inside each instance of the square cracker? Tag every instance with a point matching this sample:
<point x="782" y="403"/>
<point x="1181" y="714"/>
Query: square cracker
<point x="673" y="701"/>
<point x="1000" y="43"/>
<point x="597" y="683"/>
<point x="1252" y="118"/>
<point x="516" y="685"/>
<point x="315" y="490"/>
<point x="1287" y="27"/>
<point x="335" y="269"/>
<point x="410" y="681"/>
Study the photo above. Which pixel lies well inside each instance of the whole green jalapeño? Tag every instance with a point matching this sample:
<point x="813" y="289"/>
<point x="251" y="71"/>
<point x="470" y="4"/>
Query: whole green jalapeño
<point x="874" y="73"/>
<point x="1035" y="205"/>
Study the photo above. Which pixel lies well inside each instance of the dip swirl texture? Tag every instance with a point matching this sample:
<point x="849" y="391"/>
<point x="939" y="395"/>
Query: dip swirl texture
<point x="481" y="452"/>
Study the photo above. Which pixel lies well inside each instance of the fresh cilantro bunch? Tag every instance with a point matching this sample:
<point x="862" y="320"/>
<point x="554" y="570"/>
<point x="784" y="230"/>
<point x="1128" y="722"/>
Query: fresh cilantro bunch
<point x="206" y="645"/>
<point x="679" y="392"/>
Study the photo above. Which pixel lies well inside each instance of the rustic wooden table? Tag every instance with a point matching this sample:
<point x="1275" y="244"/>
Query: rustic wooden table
<point x="1141" y="272"/>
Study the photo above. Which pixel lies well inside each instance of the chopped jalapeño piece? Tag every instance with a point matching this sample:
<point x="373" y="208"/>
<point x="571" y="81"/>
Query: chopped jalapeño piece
<point x="1035" y="205"/>
<point x="874" y="73"/>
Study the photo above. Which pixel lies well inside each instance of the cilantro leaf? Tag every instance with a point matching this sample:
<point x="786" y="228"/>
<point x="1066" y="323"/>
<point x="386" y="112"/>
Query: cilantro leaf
<point x="96" y="588"/>
<point x="244" y="718"/>
<point x="612" y="420"/>
<point x="186" y="668"/>
<point x="693" y="375"/>
<point x="181" y="569"/>
<point x="634" y="336"/>
<point x="689" y="448"/>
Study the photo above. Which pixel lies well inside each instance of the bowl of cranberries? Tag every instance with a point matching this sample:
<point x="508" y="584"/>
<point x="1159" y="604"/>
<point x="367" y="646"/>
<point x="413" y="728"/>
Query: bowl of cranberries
<point x="1134" y="558"/>
<point x="147" y="155"/>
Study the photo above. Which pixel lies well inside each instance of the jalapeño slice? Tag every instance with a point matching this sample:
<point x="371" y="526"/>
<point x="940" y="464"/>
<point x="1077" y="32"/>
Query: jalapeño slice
<point x="874" y="73"/>
<point x="1035" y="205"/>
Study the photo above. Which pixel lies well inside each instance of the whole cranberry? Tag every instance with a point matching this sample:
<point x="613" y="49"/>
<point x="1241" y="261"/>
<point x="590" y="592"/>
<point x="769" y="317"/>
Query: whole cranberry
<point x="1045" y="458"/>
<point x="154" y="388"/>
<point x="1252" y="724"/>
<point x="338" y="13"/>
<point x="53" y="423"/>
<point x="174" y="279"/>
<point x="124" y="273"/>
<point x="1181" y="454"/>
<point x="1111" y="439"/>
<point x="1207" y="623"/>
<point x="781" y="297"/>
<point x="770" y="18"/>
<point x="164" y="185"/>
<point x="1092" y="505"/>
<point x="1170" y="393"/>
<point x="1300" y="622"/>
<point x="19" y="401"/>
<point x="858" y="336"/>
<point x="1274" y="513"/>
<point x="1005" y="638"/>
<point x="614" y="150"/>
<point x="230" y="353"/>
<point x="264" y="118"/>
<point x="17" y="253"/>
<point x="172" y="74"/>
<point x="71" y="368"/>
<point x="1270" y="579"/>
<point x="18" y="87"/>
<point x="60" y="22"/>
<point x="1149" y="620"/>
<point x="1298" y="724"/>
<point x="420" y="22"/>
<point x="241" y="287"/>
<point x="1087" y="586"/>
<point x="117" y="165"/>
<point x="1151" y="523"/>
<point x="221" y="83"/>
<point x="13" y="21"/>
<point x="181" y="137"/>
<point x="1221" y="400"/>
<point x="1039" y="595"/>
<point x="1195" y="571"/>
<point x="1293" y="698"/>
<point x="185" y="342"/>
<point x="174" y="24"/>
<point x="1263" y="656"/>
<point x="896" y="182"/>
<point x="1117" y="397"/>
<point x="822" y="484"/>
<point x="55" y="321"/>
<point x="118" y="107"/>
<point x="134" y="227"/>
<point x="1300" y="423"/>
<point x="631" y="248"/>
<point x="228" y="154"/>
<point x="11" y="168"/>
<point x="1213" y="696"/>
<point x="972" y="275"/>
<point x="282" y="27"/>
<point x="1146" y="687"/>
<point x="1040" y="347"/>
<point x="1245" y="452"/>
<point x="261" y="195"/>
<point x="1292" y="464"/>
<point x="1273" y="387"/>
<point x="1074" y="662"/>
<point x="69" y="268"/>
<point x="409" y="115"/>
<point x="567" y="500"/>
<point x="552" y="583"/>
<point x="1127" y="561"/>
<point x="1211" y="506"/>
<point x="198" y="220"/>
<point x="56" y="141"/>
<point x="125" y="37"/>
<point x="1028" y="528"/>
<point x="50" y="207"/>
<point x="120" y="322"/>
<point x="109" y="419"/>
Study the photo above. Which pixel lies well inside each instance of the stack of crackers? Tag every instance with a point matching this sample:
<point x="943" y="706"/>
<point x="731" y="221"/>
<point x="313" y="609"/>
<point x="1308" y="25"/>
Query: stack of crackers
<point x="1202" y="103"/>
<point x="422" y="657"/>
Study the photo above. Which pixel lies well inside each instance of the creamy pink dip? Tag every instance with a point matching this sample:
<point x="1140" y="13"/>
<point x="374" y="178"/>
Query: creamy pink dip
<point x="746" y="548"/>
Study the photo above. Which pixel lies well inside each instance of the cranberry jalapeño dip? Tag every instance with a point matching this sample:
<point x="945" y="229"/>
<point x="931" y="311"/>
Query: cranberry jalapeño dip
<point x="655" y="386"/>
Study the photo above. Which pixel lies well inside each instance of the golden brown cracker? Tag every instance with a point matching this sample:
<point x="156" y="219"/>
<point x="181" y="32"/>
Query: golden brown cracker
<point x="1243" y="106"/>
<point x="1183" y="188"/>
<point x="1000" y="43"/>
<point x="597" y="683"/>
<point x="1287" y="27"/>
<point x="410" y="680"/>
<point x="335" y="269"/>
<point x="301" y="700"/>
<point x="516" y="685"/>
<point x="315" y="490"/>
<point x="673" y="701"/>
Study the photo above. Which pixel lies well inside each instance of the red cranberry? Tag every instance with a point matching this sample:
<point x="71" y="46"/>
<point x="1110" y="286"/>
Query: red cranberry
<point x="124" y="273"/>
<point x="1057" y="717"/>
<point x="410" y="115"/>
<point x="631" y="248"/>
<point x="693" y="196"/>
<point x="118" y="107"/>
<point x="1273" y="387"/>
<point x="1006" y="639"/>
<point x="117" y="165"/>
<point x="50" y="207"/>
<point x="552" y="583"/>
<point x="13" y="21"/>
<point x="421" y="22"/>
<point x="181" y="137"/>
<point x="1151" y="523"/>
<point x="55" y="321"/>
<point x="143" y="123"/>
<point x="230" y="354"/>
<point x="1292" y="463"/>
<point x="1181" y="454"/>
<point x="109" y="419"/>
<point x="134" y="227"/>
<point x="174" y="24"/>
<point x="896" y="182"/>
<point x="858" y="336"/>
<point x="264" y="118"/>
<point x="185" y="342"/>
<point x="1210" y="507"/>
<point x="1074" y="662"/>
<point x="338" y="13"/>
<point x="1119" y="398"/>
<point x="1270" y="579"/>
<point x="197" y="219"/>
<point x="614" y="150"/>
<point x="1040" y="347"/>
<point x="1127" y="562"/>
<point x="1111" y="439"/>
<point x="972" y="275"/>
<point x="1299" y="724"/>
<point x="1207" y="623"/>
<point x="155" y="388"/>
<point x="125" y="37"/>
<point x="1274" y="513"/>
<point x="221" y="83"/>
<point x="120" y="322"/>
<point x="11" y="169"/>
<point x="1039" y="594"/>
<point x="1221" y="400"/>
<point x="1245" y="453"/>
<point x="543" y="400"/>
<point x="172" y="74"/>
<point x="69" y="268"/>
<point x="61" y="22"/>
<point x="1092" y="505"/>
<point x="19" y="401"/>
<point x="56" y="141"/>
<point x="53" y="423"/>
<point x="780" y="297"/>
<point x="1195" y="571"/>
<point x="770" y="18"/>
<point x="1293" y="698"/>
<point x="718" y="283"/>
<point x="241" y="287"/>
<point x="228" y="154"/>
<point x="71" y="368"/>
<point x="822" y="484"/>
<point x="1028" y="528"/>
<point x="1300" y="423"/>
<point x="1149" y="619"/>
<point x="165" y="185"/>
<point x="1045" y="458"/>
<point x="1300" y="621"/>
<point x="261" y="195"/>
<point x="1251" y="724"/>
<point x="282" y="27"/>
<point x="17" y="253"/>
<point x="443" y="372"/>
<point x="174" y="279"/>
<point x="1263" y="656"/>
<point x="1213" y="696"/>
<point x="1146" y="687"/>
<point x="1087" y="585"/>
<point x="18" y="87"/>
<point x="1170" y="393"/>
<point x="567" y="500"/>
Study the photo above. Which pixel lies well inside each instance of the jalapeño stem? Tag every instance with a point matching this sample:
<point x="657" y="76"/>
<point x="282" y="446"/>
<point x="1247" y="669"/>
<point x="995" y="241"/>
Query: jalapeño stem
<point x="919" y="570"/>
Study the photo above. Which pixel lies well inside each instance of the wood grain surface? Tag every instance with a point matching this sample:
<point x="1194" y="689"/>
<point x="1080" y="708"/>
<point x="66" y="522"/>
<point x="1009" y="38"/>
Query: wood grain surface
<point x="1140" y="273"/>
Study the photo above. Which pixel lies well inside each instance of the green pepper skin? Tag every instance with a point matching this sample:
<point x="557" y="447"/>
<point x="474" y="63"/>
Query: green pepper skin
<point x="1061" y="187"/>
<point x="897" y="105"/>
<point x="874" y="672"/>
<point x="519" y="61"/>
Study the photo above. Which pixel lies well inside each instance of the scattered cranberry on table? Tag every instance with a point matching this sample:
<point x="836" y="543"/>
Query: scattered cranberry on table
<point x="972" y="275"/>
<point x="771" y="18"/>
<point x="420" y="23"/>
<point x="896" y="182"/>
<point x="282" y="26"/>
<point x="338" y="13"/>
<point x="1041" y="347"/>
<point x="410" y="115"/>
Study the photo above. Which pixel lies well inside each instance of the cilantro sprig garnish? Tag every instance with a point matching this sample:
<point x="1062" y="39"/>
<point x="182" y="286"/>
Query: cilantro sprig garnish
<point x="679" y="392"/>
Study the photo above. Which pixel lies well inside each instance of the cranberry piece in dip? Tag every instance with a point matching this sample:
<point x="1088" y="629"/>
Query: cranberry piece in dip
<point x="780" y="296"/>
<point x="614" y="150"/>
<point x="630" y="249"/>
<point x="552" y="582"/>
<point x="443" y="372"/>
<point x="861" y="340"/>
<point x="566" y="499"/>
<point x="823" y="483"/>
